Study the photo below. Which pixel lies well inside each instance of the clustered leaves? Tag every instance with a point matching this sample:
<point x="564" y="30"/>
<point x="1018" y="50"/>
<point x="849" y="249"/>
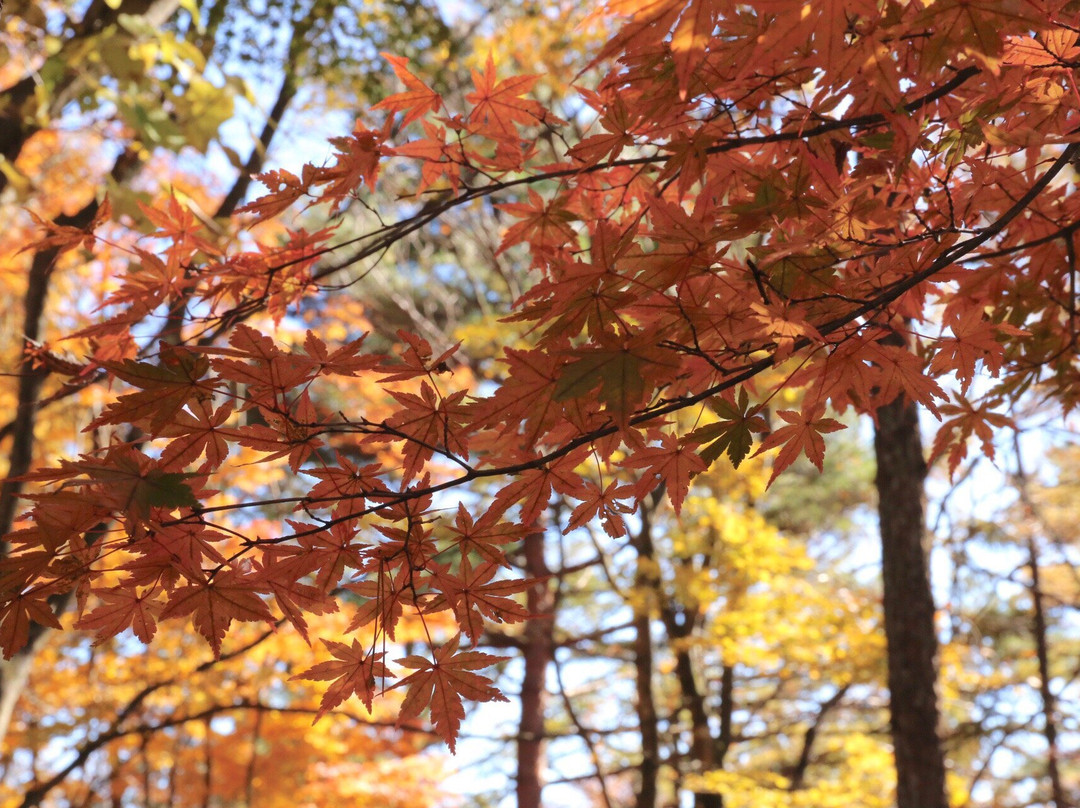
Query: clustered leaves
<point x="855" y="201"/>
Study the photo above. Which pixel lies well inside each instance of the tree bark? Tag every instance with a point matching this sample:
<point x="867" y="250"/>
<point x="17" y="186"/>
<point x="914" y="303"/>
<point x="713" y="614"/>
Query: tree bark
<point x="648" y="721"/>
<point x="538" y="649"/>
<point x="909" y="609"/>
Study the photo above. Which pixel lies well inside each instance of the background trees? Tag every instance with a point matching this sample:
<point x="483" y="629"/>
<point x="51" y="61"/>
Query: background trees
<point x="740" y="226"/>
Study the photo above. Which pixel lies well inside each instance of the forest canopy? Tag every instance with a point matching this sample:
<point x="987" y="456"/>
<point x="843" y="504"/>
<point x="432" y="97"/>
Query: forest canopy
<point x="377" y="364"/>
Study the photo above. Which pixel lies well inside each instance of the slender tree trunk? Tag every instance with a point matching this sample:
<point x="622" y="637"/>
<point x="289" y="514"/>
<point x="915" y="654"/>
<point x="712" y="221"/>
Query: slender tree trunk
<point x="645" y="583"/>
<point x="538" y="648"/>
<point x="704" y="748"/>
<point x="909" y="609"/>
<point x="1049" y="702"/>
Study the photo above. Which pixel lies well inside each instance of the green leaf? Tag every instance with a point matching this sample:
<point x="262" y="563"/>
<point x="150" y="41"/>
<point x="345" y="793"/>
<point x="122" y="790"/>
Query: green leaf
<point x="618" y="372"/>
<point x="734" y="434"/>
<point x="164" y="489"/>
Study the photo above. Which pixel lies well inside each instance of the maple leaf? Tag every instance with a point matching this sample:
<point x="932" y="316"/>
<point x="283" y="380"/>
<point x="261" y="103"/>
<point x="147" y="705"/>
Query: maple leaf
<point x="803" y="435"/>
<point x="256" y="361"/>
<point x="196" y="433"/>
<point x="622" y="370"/>
<point x="650" y="21"/>
<point x="976" y="338"/>
<point x="733" y="434"/>
<point x="173" y="550"/>
<point x="963" y="420"/>
<point x="352" y="671"/>
<point x="16" y="615"/>
<point x="165" y="388"/>
<point x="485" y="535"/>
<point x="672" y="464"/>
<point x="386" y="592"/>
<point x="121" y="607"/>
<point x="901" y="371"/>
<point x="178" y="223"/>
<point x="527" y="406"/>
<point x="692" y="33"/>
<point x="331" y="551"/>
<point x="345" y="487"/>
<point x="418" y="100"/>
<point x="62" y="515"/>
<point x="545" y="225"/>
<point x="442" y="683"/>
<point x="609" y="504"/>
<point x="286" y="437"/>
<point x="65" y="237"/>
<point x="417" y="360"/>
<point x="439" y="158"/>
<point x="474" y="596"/>
<point x="215" y="602"/>
<point x="615" y="119"/>
<point x="342" y="361"/>
<point x="295" y="599"/>
<point x="285" y="188"/>
<point x="357" y="160"/>
<point x="127" y="481"/>
<point x="975" y="26"/>
<point x="1048" y="49"/>
<point x="498" y="106"/>
<point x="428" y="422"/>
<point x="533" y="487"/>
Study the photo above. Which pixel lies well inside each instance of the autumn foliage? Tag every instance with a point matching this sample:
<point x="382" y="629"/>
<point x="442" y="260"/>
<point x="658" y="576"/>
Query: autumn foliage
<point x="769" y="195"/>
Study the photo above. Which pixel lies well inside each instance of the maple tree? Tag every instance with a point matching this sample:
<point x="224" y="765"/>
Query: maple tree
<point x="768" y="197"/>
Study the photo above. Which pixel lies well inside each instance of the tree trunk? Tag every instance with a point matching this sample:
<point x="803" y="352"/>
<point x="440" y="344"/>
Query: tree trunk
<point x="909" y="609"/>
<point x="1049" y="701"/>
<point x="538" y="648"/>
<point x="648" y="720"/>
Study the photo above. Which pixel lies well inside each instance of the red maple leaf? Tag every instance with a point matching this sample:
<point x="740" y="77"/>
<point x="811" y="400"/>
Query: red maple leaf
<point x="195" y="433"/>
<point x="474" y="595"/>
<point x="428" y="422"/>
<point x="164" y="388"/>
<point x="343" y="488"/>
<point x="485" y="535"/>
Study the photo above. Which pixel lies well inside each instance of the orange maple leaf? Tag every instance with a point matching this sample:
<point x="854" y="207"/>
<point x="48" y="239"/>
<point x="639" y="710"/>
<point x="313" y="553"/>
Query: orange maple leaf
<point x="215" y="603"/>
<point x="803" y="435"/>
<point x="416" y="101"/>
<point x="121" y="607"/>
<point x="352" y="671"/>
<point x="499" y="107"/>
<point x="177" y="222"/>
<point x="442" y="683"/>
<point x="18" y="613"/>
<point x="672" y="463"/>
<point x="285" y="188"/>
